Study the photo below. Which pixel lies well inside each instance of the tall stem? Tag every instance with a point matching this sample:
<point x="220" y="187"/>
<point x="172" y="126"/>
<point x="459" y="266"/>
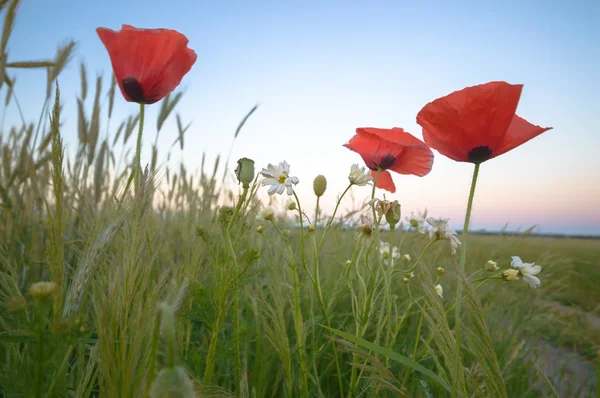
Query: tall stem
<point x="236" y="298"/>
<point x="138" y="149"/>
<point x="337" y="205"/>
<point x="459" y="287"/>
<point x="236" y="314"/>
<point x="319" y="292"/>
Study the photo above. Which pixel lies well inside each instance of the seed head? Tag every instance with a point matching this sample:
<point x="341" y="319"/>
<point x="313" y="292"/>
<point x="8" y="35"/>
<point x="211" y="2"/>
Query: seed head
<point x="245" y="171"/>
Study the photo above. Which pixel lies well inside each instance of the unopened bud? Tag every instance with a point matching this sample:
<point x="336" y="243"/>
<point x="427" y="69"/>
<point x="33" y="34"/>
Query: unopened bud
<point x="319" y="185"/>
<point x="43" y="289"/>
<point x="510" y="275"/>
<point x="260" y="229"/>
<point x="348" y="263"/>
<point x="393" y="214"/>
<point x="491" y="266"/>
<point x="311" y="228"/>
<point x="245" y="171"/>
<point x="406" y="258"/>
<point x="440" y="271"/>
<point x="405" y="280"/>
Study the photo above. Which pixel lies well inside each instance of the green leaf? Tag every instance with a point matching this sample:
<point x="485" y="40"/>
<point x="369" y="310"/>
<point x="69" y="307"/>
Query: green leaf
<point x="30" y="64"/>
<point x="391" y="355"/>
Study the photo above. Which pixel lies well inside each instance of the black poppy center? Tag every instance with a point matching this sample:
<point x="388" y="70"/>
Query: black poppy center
<point x="133" y="89"/>
<point x="387" y="162"/>
<point x="479" y="154"/>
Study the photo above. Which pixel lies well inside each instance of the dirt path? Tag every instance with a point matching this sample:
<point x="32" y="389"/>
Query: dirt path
<point x="579" y="371"/>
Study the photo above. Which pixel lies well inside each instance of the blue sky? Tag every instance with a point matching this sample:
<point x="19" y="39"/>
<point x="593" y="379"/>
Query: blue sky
<point x="321" y="69"/>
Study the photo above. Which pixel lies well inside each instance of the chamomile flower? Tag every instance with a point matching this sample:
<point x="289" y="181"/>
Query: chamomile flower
<point x="278" y="177"/>
<point x="388" y="253"/>
<point x="416" y="221"/>
<point x="290" y="204"/>
<point x="359" y="175"/>
<point x="527" y="271"/>
<point x="266" y="214"/>
<point x="442" y="231"/>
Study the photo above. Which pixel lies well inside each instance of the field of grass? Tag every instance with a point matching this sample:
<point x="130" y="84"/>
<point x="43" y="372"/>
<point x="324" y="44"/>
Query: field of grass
<point x="174" y="288"/>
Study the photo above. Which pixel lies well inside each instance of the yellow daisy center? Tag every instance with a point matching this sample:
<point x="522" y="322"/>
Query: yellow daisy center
<point x="282" y="179"/>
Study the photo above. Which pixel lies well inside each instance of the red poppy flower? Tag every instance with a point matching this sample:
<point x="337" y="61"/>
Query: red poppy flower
<point x="477" y="123"/>
<point x="148" y="63"/>
<point x="391" y="149"/>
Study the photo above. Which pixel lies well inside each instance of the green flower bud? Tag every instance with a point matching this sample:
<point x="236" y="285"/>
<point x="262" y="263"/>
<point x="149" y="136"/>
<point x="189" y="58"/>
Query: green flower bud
<point x="393" y="214"/>
<point x="43" y="289"/>
<point x="319" y="185"/>
<point x="245" y="171"/>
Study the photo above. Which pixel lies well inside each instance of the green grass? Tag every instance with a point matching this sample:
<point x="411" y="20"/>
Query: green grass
<point x="170" y="290"/>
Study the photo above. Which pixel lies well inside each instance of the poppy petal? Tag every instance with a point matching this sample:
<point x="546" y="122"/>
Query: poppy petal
<point x="476" y="116"/>
<point x="396" y="135"/>
<point x="374" y="151"/>
<point x="416" y="160"/>
<point x="148" y="63"/>
<point x="385" y="181"/>
<point x="519" y="132"/>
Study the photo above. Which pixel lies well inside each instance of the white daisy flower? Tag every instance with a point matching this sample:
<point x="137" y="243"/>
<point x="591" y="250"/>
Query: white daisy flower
<point x="290" y="204"/>
<point x="439" y="290"/>
<point x="388" y="253"/>
<point x="441" y="230"/>
<point x="266" y="214"/>
<point x="416" y="221"/>
<point x="527" y="270"/>
<point x="278" y="177"/>
<point x="359" y="176"/>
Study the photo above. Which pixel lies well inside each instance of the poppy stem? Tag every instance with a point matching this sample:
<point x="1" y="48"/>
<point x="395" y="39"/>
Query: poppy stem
<point x="138" y="149"/>
<point x="373" y="195"/>
<point x="459" y="287"/>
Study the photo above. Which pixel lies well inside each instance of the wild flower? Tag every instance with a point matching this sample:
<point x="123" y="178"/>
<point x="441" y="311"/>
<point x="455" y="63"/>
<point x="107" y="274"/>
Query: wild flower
<point x="148" y="63"/>
<point x="416" y="221"/>
<point x="391" y="149"/>
<point x="278" y="177"/>
<point x="527" y="271"/>
<point x="477" y="123"/>
<point x="266" y="214"/>
<point x="441" y="230"/>
<point x="290" y="204"/>
<point x="439" y="290"/>
<point x="388" y="253"/>
<point x="359" y="176"/>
